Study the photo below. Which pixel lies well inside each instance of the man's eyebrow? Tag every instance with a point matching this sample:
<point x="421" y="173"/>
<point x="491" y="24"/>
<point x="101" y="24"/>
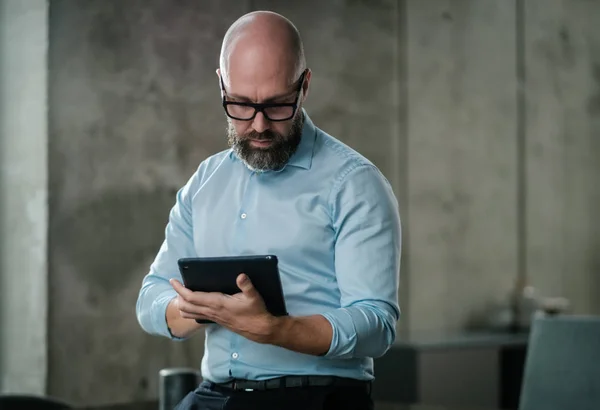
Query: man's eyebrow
<point x="268" y="100"/>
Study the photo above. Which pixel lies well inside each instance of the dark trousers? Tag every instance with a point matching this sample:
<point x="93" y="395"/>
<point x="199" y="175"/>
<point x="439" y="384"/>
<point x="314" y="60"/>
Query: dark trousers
<point x="209" y="396"/>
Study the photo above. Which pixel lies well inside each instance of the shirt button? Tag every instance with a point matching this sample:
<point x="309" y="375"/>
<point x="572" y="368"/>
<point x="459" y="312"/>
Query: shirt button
<point x="243" y="216"/>
<point x="235" y="355"/>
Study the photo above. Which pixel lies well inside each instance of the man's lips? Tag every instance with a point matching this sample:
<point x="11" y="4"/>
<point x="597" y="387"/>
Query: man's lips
<point x="261" y="143"/>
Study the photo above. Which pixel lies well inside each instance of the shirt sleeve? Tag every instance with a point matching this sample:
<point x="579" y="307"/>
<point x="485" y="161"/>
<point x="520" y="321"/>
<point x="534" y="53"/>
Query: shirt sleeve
<point x="156" y="292"/>
<point x="367" y="261"/>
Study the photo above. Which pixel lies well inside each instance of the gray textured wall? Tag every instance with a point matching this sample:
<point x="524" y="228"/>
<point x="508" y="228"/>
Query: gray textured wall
<point x="427" y="90"/>
<point x="503" y="155"/>
<point x="23" y="196"/>
<point x="461" y="157"/>
<point x="562" y="50"/>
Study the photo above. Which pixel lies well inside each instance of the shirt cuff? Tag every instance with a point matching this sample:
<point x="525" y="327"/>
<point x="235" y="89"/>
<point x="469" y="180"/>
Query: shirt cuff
<point x="343" y="341"/>
<point x="367" y="330"/>
<point x="159" y="313"/>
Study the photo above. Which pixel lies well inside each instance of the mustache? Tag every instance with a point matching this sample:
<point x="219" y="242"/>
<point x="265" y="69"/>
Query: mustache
<point x="267" y="135"/>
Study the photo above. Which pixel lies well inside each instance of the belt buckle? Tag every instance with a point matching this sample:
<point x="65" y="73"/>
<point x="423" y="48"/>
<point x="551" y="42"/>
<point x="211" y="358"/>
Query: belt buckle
<point x="237" y="387"/>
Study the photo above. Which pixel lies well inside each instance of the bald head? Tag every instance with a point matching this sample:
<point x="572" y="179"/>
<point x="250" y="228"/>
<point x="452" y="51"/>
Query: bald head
<point x="262" y="45"/>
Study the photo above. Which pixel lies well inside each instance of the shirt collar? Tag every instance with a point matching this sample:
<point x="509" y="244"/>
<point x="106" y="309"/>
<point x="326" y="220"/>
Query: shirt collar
<point x="302" y="158"/>
<point x="304" y="153"/>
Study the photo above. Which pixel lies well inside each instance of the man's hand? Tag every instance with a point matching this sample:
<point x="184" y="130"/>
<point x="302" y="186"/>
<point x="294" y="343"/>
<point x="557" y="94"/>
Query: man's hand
<point x="243" y="313"/>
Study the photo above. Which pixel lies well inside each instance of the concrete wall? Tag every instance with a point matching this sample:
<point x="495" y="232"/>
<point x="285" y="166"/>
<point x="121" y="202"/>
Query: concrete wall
<point x="503" y="155"/>
<point x="462" y="170"/>
<point x="23" y="196"/>
<point x="429" y="91"/>
<point x="562" y="58"/>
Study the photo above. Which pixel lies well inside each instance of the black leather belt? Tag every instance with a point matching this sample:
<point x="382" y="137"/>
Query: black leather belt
<point x="294" y="381"/>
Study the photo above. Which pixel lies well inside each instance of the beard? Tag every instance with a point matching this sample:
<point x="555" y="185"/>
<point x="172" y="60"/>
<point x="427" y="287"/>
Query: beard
<point x="273" y="157"/>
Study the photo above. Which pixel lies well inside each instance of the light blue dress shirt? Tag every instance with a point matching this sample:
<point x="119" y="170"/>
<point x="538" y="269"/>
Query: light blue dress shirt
<point x="332" y="220"/>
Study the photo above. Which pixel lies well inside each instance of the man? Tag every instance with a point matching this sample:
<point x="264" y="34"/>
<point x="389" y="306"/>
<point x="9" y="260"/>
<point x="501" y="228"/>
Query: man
<point x="289" y="189"/>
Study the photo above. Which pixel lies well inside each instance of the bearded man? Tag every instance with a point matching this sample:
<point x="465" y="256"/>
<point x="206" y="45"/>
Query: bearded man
<point x="286" y="188"/>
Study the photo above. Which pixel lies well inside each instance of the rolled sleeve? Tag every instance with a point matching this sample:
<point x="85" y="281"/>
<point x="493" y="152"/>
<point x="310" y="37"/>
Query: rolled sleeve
<point x="156" y="292"/>
<point x="367" y="262"/>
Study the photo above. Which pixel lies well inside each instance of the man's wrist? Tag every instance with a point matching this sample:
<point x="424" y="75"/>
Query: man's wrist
<point x="278" y="329"/>
<point x="305" y="334"/>
<point x="169" y="319"/>
<point x="178" y="327"/>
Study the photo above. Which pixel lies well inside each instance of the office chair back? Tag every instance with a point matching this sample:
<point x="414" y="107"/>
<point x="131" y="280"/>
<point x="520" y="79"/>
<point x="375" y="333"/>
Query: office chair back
<point x="562" y="367"/>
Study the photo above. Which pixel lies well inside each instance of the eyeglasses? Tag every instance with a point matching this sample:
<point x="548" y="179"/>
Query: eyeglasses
<point x="245" y="111"/>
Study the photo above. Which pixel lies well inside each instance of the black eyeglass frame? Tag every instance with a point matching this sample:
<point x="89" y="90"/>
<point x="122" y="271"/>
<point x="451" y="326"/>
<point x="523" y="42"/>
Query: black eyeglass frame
<point x="262" y="107"/>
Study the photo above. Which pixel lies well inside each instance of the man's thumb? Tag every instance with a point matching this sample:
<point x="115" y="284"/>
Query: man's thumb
<point x="245" y="285"/>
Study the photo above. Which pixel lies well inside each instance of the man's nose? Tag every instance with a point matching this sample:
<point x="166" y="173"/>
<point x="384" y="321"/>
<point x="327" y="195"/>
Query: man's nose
<point x="260" y="122"/>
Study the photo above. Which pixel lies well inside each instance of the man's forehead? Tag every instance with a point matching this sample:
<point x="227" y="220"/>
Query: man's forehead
<point x="252" y="62"/>
<point x="263" y="86"/>
<point x="241" y="79"/>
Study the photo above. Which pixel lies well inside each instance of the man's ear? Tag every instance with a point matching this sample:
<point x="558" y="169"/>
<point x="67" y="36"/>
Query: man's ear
<point x="306" y="85"/>
<point x="218" y="71"/>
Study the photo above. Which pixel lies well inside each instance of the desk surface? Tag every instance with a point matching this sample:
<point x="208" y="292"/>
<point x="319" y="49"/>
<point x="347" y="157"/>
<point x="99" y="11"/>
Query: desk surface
<point x="445" y="340"/>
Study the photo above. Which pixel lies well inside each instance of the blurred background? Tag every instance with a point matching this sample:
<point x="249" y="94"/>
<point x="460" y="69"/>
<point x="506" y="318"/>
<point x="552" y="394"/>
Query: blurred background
<point x="483" y="114"/>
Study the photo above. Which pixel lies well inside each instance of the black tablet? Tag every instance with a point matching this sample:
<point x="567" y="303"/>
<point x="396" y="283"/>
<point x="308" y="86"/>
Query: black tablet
<point x="219" y="274"/>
